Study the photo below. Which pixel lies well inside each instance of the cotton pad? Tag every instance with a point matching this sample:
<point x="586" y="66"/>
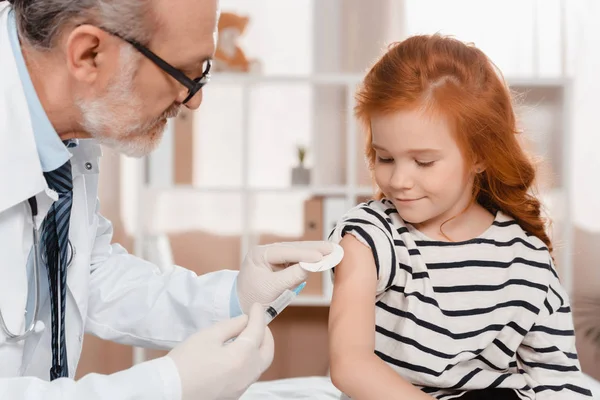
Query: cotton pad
<point x="329" y="261"/>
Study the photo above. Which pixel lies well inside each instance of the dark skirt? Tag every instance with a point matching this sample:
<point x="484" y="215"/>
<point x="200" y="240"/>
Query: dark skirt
<point x="490" y="394"/>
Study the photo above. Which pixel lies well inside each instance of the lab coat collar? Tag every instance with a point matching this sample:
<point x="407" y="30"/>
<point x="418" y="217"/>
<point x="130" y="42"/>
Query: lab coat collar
<point x="21" y="175"/>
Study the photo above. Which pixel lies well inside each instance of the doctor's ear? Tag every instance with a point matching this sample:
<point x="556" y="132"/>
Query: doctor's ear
<point x="87" y="50"/>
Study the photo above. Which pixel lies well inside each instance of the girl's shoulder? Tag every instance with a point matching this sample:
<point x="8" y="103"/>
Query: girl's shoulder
<point x="379" y="213"/>
<point x="506" y="229"/>
<point x="374" y="224"/>
<point x="507" y="241"/>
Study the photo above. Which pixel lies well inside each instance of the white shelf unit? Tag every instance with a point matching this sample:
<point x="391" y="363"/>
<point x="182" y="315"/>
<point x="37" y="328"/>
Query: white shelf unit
<point x="159" y="180"/>
<point x="332" y="190"/>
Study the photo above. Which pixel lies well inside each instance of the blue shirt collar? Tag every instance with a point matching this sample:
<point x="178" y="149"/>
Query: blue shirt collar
<point x="51" y="150"/>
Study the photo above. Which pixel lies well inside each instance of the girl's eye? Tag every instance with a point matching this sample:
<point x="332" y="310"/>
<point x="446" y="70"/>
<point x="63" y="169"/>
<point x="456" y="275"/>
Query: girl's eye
<point x="424" y="164"/>
<point x="384" y="160"/>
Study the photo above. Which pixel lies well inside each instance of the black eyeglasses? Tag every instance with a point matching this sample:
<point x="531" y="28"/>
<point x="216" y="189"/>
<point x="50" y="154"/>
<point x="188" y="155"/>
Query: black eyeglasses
<point x="192" y="85"/>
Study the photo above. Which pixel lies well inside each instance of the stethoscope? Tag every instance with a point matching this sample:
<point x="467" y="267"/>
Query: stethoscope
<point x="35" y="326"/>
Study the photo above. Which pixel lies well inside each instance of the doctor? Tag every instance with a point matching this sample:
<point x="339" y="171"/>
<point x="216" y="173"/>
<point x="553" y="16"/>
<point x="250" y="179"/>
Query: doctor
<point x="74" y="74"/>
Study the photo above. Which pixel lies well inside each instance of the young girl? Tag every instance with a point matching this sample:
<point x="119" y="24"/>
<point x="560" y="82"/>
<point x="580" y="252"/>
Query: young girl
<point x="447" y="288"/>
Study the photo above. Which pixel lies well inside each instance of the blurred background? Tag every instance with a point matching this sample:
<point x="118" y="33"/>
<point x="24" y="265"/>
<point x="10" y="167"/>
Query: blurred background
<point x="274" y="153"/>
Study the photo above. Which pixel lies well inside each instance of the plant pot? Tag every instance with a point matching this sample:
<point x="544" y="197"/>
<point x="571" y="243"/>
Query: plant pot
<point x="300" y="176"/>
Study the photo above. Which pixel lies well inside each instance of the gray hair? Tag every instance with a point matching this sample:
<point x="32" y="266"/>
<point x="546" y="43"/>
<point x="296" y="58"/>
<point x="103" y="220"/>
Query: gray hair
<point x="40" y="22"/>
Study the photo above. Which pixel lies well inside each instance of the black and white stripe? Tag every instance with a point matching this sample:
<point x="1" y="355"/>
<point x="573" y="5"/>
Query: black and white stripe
<point x="489" y="312"/>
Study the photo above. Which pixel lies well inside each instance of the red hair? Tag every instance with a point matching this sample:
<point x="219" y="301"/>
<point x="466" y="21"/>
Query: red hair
<point x="448" y="77"/>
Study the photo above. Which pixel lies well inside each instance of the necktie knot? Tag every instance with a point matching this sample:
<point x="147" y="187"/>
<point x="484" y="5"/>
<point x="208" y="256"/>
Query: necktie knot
<point x="60" y="179"/>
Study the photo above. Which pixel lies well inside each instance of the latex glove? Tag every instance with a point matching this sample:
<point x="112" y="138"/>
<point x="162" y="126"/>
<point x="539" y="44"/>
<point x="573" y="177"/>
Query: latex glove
<point x="210" y="369"/>
<point x="265" y="272"/>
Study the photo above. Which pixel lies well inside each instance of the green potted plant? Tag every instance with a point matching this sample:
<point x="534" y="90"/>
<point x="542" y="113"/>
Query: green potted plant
<point x="301" y="174"/>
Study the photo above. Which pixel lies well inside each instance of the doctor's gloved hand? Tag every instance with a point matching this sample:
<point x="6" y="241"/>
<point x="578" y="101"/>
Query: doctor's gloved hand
<point x="210" y="369"/>
<point x="267" y="271"/>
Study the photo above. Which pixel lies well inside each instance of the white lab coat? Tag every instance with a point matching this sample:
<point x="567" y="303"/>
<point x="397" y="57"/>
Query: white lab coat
<point x="111" y="294"/>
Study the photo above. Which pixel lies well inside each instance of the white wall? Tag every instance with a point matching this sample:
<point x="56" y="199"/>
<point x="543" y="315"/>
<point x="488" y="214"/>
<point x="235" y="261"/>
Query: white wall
<point x="586" y="140"/>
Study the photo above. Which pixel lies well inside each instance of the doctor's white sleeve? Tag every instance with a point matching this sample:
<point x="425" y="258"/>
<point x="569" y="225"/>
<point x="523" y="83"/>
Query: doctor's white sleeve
<point x="157" y="379"/>
<point x="131" y="301"/>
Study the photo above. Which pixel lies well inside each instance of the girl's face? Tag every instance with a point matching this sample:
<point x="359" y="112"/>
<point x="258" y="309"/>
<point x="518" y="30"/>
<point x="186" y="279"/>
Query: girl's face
<point x="420" y="168"/>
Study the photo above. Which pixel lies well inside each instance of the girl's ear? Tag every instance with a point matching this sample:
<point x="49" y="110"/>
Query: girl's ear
<point x="479" y="167"/>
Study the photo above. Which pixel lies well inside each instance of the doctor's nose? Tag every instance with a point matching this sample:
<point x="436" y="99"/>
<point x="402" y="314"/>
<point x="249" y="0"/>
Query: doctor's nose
<point x="194" y="102"/>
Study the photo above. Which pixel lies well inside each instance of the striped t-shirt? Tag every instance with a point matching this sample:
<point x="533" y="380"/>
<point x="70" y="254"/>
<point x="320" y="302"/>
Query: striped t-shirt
<point x="451" y="317"/>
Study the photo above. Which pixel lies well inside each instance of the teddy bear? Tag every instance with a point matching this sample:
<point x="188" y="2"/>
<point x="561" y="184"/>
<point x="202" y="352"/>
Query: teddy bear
<point x="229" y="56"/>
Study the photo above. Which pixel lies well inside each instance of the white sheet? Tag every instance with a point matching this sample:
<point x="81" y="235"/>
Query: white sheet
<point x="313" y="388"/>
<point x="321" y="388"/>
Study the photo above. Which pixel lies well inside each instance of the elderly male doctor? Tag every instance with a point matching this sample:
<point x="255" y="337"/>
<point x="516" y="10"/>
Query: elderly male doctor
<point x="74" y="74"/>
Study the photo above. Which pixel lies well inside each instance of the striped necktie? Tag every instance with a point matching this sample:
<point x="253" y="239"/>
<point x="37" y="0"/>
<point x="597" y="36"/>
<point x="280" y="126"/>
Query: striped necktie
<point x="55" y="243"/>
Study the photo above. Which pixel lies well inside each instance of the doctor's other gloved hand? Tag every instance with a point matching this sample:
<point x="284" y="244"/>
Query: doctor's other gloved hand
<point x="267" y="271"/>
<point x="210" y="369"/>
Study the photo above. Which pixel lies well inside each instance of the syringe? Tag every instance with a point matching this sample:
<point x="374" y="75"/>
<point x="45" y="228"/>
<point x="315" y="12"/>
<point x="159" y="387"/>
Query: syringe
<point x="278" y="305"/>
<point x="282" y="302"/>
